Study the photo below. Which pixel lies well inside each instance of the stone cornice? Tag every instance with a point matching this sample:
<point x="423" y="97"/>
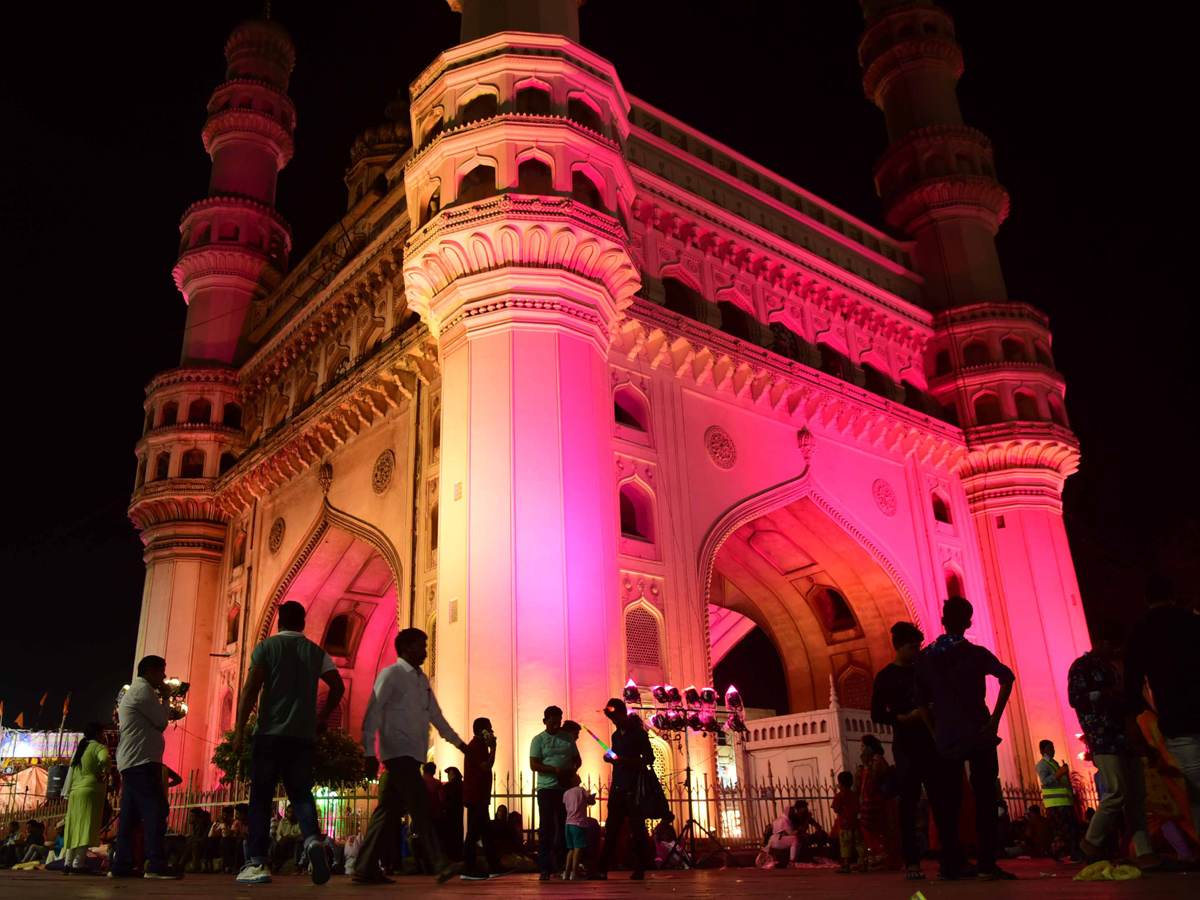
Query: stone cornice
<point x="1017" y="465"/>
<point x="517" y="231"/>
<point x="929" y="198"/>
<point x="512" y="119"/>
<point x="934" y="134"/>
<point x="175" y="500"/>
<point x="995" y="373"/>
<point x="249" y="124"/>
<point x="206" y="375"/>
<point x="757" y="378"/>
<point x="337" y="416"/>
<point x="978" y="312"/>
<point x="229" y="201"/>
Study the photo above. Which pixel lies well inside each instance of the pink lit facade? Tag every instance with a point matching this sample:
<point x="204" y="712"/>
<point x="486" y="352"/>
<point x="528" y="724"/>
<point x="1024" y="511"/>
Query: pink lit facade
<point x="587" y="395"/>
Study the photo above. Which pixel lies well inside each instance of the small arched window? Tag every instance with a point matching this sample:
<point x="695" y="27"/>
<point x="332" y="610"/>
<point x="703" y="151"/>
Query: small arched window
<point x="432" y="206"/>
<point x="976" y="353"/>
<point x="832" y="609"/>
<point x="987" y="410"/>
<point x="227" y="712"/>
<point x="533" y="101"/>
<point x="954" y="586"/>
<point x="232" y="416"/>
<point x="824" y="726"/>
<point x="1027" y="407"/>
<point x="239" y="549"/>
<point x="580" y="111"/>
<point x="1058" y="414"/>
<point x="682" y="298"/>
<point x="232" y="621"/>
<point x="432" y="130"/>
<point x="149" y="420"/>
<point x="637" y="519"/>
<point x="833" y="362"/>
<point x="941" y="363"/>
<point x="435" y="426"/>
<point x="478" y="184"/>
<point x="941" y="510"/>
<point x="1043" y="356"/>
<point x="1013" y="349"/>
<point x="643" y="646"/>
<point x="141" y="472"/>
<point x="162" y="466"/>
<point x="482" y="107"/>
<point x="854" y="690"/>
<point x="192" y="464"/>
<point x="914" y="397"/>
<point x="200" y="411"/>
<point x="170" y="412"/>
<point x="340" y="635"/>
<point x="535" y="177"/>
<point x="629" y="409"/>
<point x="584" y="190"/>
<point x="433" y="533"/>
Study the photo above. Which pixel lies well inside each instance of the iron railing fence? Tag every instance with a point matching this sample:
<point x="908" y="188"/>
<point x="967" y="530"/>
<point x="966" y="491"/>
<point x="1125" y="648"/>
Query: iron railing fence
<point x="737" y="815"/>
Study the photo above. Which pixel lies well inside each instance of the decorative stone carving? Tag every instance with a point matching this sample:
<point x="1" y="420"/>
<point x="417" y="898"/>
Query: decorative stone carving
<point x="885" y="497"/>
<point x="385" y="467"/>
<point x="275" y="539"/>
<point x="325" y="477"/>
<point x="807" y="443"/>
<point x="720" y="446"/>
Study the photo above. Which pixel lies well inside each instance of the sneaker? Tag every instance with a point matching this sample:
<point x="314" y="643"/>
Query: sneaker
<point x="997" y="875"/>
<point x="317" y="863"/>
<point x="165" y="875"/>
<point x="473" y="876"/>
<point x="545" y="876"/>
<point x="252" y="874"/>
<point x="502" y="874"/>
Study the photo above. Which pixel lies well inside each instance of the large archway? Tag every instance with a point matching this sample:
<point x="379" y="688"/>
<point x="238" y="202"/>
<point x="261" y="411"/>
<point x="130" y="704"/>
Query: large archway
<point x="345" y="575"/>
<point x="819" y="592"/>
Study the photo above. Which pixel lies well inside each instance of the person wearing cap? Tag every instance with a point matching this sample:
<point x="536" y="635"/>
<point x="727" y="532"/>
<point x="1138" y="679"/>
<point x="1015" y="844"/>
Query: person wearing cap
<point x="629" y="756"/>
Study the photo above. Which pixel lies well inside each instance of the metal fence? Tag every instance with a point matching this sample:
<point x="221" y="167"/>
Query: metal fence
<point x="736" y="815"/>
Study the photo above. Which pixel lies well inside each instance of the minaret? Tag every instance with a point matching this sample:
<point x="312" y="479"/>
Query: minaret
<point x="519" y="263"/>
<point x="234" y="250"/>
<point x="989" y="361"/>
<point x="235" y="246"/>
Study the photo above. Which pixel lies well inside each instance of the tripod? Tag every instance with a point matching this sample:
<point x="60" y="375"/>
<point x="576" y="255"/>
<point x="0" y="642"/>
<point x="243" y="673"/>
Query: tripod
<point x="688" y="857"/>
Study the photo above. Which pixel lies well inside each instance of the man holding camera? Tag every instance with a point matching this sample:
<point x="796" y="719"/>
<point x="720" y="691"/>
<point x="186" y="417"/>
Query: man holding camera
<point x="142" y="715"/>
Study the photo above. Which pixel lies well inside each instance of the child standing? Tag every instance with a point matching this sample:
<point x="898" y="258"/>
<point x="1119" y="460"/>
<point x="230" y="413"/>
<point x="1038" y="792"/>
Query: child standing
<point x="577" y="801"/>
<point x="850" y="835"/>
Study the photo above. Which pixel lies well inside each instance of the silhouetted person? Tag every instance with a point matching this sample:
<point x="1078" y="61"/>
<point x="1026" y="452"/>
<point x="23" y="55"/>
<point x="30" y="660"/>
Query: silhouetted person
<point x="552" y="757"/>
<point x="631" y="756"/>
<point x="894" y="703"/>
<point x="1163" y="653"/>
<point x="1097" y="694"/>
<point x="951" y="686"/>
<point x="284" y="673"/>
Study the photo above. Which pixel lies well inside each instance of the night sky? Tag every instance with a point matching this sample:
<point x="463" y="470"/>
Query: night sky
<point x="103" y="105"/>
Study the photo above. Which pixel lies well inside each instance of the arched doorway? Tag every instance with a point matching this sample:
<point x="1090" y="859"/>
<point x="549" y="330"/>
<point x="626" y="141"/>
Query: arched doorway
<point x="821" y="595"/>
<point x="345" y="575"/>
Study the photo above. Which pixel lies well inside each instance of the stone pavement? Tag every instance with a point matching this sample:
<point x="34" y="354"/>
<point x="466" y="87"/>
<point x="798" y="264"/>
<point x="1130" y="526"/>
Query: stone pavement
<point x="710" y="884"/>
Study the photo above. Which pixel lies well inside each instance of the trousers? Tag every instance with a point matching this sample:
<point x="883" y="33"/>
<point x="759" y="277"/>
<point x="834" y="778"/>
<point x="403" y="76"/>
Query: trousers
<point x="946" y="802"/>
<point x="143" y="802"/>
<point x="273" y="758"/>
<point x="403" y="792"/>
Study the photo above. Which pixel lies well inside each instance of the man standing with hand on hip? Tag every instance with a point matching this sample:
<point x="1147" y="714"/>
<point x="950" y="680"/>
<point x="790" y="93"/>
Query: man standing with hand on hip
<point x="399" y="713"/>
<point x="285" y="668"/>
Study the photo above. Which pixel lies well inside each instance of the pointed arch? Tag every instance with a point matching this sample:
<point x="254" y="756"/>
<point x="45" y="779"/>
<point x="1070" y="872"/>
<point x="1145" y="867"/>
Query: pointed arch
<point x="330" y="517"/>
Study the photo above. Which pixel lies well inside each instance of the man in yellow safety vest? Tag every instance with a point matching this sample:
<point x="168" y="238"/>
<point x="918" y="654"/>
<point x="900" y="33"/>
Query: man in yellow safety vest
<point x="1059" y="800"/>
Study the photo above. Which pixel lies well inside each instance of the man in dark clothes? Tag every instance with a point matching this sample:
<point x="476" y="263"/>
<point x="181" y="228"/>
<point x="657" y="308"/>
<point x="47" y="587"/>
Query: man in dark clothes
<point x="917" y="764"/>
<point x="951" y="686"/>
<point x="631" y="754"/>
<point x="1164" y="650"/>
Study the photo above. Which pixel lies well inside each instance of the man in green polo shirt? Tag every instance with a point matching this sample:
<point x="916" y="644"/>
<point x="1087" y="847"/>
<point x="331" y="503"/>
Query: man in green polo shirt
<point x="285" y="668"/>
<point x="552" y="753"/>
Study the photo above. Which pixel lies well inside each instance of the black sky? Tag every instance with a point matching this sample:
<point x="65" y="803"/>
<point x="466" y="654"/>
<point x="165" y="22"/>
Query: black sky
<point x="103" y="105"/>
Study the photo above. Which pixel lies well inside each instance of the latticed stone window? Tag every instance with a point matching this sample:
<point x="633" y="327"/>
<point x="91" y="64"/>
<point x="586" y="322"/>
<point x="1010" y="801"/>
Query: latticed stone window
<point x="854" y="689"/>
<point x="642" y="646"/>
<point x="661" y="756"/>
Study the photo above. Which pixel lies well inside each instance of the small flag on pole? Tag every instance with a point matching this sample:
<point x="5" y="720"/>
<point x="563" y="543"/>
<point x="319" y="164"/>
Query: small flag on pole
<point x="20" y="720"/>
<point x="44" y="696"/>
<point x="66" y="703"/>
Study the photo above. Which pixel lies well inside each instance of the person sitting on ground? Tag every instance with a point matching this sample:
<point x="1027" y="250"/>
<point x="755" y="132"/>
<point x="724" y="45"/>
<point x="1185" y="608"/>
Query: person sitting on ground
<point x="289" y="844"/>
<point x="850" y="836"/>
<point x="35" y="849"/>
<point x="576" y="800"/>
<point x="811" y="836"/>
<point x="1039" y="832"/>
<point x="228" y="833"/>
<point x="8" y="848"/>
<point x="196" y="834"/>
<point x="784" y="837"/>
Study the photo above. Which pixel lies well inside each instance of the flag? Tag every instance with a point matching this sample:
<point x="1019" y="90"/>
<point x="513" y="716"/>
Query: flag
<point x="20" y="720"/>
<point x="66" y="703"/>
<point x="44" y="696"/>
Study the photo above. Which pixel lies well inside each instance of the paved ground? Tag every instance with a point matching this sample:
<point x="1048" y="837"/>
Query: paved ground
<point x="727" y="884"/>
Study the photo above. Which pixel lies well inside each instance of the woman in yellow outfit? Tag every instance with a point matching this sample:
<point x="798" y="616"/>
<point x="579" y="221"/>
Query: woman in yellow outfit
<point x="87" y="782"/>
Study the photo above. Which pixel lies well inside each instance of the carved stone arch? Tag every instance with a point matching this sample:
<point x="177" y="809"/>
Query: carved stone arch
<point x="680" y="273"/>
<point x="579" y="93"/>
<point x="605" y="183"/>
<point x="329" y="517"/>
<point x="482" y="89"/>
<point x="477" y="159"/>
<point x="799" y="488"/>
<point x="731" y="294"/>
<point x="532" y="81"/>
<point x="649" y="506"/>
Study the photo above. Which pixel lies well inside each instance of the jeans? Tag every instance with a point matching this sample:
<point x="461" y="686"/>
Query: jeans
<point x="1186" y="750"/>
<point x="1125" y="790"/>
<point x="403" y="792"/>
<point x="620" y="808"/>
<point x="272" y="758"/>
<point x="479" y="828"/>
<point x="914" y="770"/>
<point x="552" y="829"/>
<point x="143" y="802"/>
<point x="947" y="803"/>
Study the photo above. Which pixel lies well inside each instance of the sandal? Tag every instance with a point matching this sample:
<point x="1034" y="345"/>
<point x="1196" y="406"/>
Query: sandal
<point x="914" y="875"/>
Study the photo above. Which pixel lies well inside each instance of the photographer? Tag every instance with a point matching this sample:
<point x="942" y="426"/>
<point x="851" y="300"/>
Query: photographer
<point x="477" y="794"/>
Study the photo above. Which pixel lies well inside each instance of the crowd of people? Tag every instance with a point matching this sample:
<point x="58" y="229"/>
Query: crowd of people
<point x="933" y="698"/>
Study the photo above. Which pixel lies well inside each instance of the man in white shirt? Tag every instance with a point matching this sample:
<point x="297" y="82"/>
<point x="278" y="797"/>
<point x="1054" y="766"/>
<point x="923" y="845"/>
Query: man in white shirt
<point x="399" y="713"/>
<point x="142" y="715"/>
